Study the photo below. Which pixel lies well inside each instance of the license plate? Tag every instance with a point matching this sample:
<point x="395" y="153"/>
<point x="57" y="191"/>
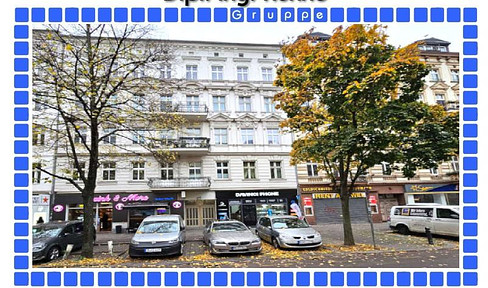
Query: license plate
<point x="152" y="250"/>
<point x="238" y="248"/>
<point x="304" y="242"/>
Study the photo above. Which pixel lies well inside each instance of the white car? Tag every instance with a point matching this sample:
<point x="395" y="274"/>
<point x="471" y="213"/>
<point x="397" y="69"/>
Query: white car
<point x="440" y="219"/>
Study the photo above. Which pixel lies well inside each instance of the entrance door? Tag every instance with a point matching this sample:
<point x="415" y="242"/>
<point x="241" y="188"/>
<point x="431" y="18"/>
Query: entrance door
<point x="192" y="216"/>
<point x="249" y="215"/>
<point x="208" y="214"/>
<point x="199" y="213"/>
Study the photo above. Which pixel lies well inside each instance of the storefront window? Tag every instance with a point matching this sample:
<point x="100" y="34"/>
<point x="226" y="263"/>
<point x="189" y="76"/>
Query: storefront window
<point x="424" y="198"/>
<point x="308" y="210"/>
<point x="453" y="198"/>
<point x="235" y="212"/>
<point x="136" y="215"/>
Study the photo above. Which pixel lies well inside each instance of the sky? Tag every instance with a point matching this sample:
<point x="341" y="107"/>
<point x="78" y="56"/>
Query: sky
<point x="273" y="33"/>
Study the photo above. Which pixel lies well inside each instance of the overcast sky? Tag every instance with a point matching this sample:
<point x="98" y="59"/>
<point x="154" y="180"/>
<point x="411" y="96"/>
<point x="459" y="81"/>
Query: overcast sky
<point x="273" y="33"/>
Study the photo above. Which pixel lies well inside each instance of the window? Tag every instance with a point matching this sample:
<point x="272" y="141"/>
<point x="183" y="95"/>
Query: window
<point x="76" y="175"/>
<point x="116" y="70"/>
<point x="217" y="73"/>
<point x="138" y="102"/>
<point x="242" y="73"/>
<point x="138" y="73"/>
<point x="434" y="76"/>
<point x="80" y="136"/>
<point x="373" y="208"/>
<point x="192" y="103"/>
<point x="241" y="55"/>
<point x="195" y="170"/>
<point x="36" y="173"/>
<point x="165" y="71"/>
<point x="265" y="55"/>
<point x="108" y="171"/>
<point x="191" y="72"/>
<point x="440" y="99"/>
<point x="223" y="170"/>
<point x="166" y="102"/>
<point x="446" y="213"/>
<point x="111" y="138"/>
<point x="454" y="76"/>
<point x="247" y="136"/>
<point x="269" y="105"/>
<point x="455" y="163"/>
<point x="165" y="135"/>
<point x="38" y="138"/>
<point x="218" y="103"/>
<point x="138" y="170"/>
<point x="244" y="104"/>
<point x="275" y="167"/>
<point x="193" y="131"/>
<point x="267" y="74"/>
<point x="273" y="136"/>
<point x="312" y="170"/>
<point x="434" y="171"/>
<point x="249" y="170"/>
<point x="167" y="171"/>
<point x="216" y="54"/>
<point x="386" y="167"/>
<point x="138" y="137"/>
<point x="220" y="136"/>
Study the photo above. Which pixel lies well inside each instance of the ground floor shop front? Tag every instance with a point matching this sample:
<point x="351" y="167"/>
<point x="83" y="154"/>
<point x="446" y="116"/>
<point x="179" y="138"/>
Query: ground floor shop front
<point x="440" y="193"/>
<point x="249" y="206"/>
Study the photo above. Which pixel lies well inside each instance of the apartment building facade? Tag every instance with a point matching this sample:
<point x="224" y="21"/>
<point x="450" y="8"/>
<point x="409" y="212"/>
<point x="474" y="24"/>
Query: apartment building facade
<point x="383" y="186"/>
<point x="232" y="157"/>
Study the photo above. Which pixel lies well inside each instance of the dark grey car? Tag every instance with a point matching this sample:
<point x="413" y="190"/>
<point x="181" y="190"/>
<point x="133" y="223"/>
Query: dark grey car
<point x="288" y="232"/>
<point x="230" y="236"/>
<point x="51" y="239"/>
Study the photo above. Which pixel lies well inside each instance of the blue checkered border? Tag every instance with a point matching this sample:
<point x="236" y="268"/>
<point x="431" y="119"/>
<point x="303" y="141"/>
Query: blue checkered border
<point x="466" y="277"/>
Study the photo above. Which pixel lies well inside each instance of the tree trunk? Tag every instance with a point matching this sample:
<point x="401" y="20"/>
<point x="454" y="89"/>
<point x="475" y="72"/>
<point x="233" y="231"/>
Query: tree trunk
<point x="346" y="217"/>
<point x="88" y="224"/>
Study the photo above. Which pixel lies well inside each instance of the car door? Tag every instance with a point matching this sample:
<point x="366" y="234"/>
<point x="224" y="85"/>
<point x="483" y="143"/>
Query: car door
<point x="78" y="235"/>
<point x="67" y="236"/>
<point x="446" y="222"/>
<point x="267" y="229"/>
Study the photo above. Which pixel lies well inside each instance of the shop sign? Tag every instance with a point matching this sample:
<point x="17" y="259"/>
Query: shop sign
<point x="119" y="206"/>
<point x="40" y="200"/>
<point x="430" y="187"/>
<point x="118" y="198"/>
<point x="58" y="208"/>
<point x="424" y="212"/>
<point x="372" y="199"/>
<point x="307" y="201"/>
<point x="257" y="194"/>
<point x="328" y="188"/>
<point x="176" y="204"/>
<point x="164" y="198"/>
<point x="336" y="195"/>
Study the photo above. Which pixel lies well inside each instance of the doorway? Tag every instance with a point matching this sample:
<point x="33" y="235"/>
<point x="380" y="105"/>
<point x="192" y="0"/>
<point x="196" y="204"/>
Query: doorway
<point x="249" y="215"/>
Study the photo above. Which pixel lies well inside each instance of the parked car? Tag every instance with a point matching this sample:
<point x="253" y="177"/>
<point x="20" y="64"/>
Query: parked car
<point x="230" y="236"/>
<point x="440" y="219"/>
<point x="51" y="239"/>
<point x="288" y="232"/>
<point x="158" y="235"/>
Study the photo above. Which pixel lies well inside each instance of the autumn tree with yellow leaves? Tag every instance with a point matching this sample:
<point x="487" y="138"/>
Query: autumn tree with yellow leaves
<point x="90" y="84"/>
<point x="352" y="101"/>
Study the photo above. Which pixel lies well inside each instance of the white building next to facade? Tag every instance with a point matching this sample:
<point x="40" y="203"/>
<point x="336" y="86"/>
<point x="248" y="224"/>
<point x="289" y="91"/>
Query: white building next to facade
<point x="232" y="159"/>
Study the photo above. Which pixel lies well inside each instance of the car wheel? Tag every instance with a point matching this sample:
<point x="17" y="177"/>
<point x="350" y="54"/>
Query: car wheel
<point x="275" y="242"/>
<point x="53" y="253"/>
<point x="402" y="229"/>
<point x="210" y="248"/>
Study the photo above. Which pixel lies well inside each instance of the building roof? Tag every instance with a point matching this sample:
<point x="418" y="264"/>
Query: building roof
<point x="434" y="41"/>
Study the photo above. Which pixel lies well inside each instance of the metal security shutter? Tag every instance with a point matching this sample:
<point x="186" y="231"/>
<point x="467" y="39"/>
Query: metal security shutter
<point x="330" y="211"/>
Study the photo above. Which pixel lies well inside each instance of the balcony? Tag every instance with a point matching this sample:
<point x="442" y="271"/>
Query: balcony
<point x="192" y="111"/>
<point x="179" y="183"/>
<point x="186" y="145"/>
<point x="451" y="106"/>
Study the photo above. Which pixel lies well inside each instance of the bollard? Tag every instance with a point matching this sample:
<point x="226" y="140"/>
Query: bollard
<point x="429" y="236"/>
<point x="110" y="247"/>
<point x="69" y="247"/>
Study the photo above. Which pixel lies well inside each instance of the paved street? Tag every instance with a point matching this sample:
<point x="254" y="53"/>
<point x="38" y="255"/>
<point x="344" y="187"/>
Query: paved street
<point x="393" y="250"/>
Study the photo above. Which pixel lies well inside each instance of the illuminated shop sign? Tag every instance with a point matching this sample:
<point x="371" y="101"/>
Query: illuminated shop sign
<point x="331" y="189"/>
<point x="118" y="198"/>
<point x="257" y="194"/>
<point x="336" y="195"/>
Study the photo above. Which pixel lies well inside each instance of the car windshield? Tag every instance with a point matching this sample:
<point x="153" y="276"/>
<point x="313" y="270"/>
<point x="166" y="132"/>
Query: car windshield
<point x="225" y="227"/>
<point x="283" y="223"/>
<point x="158" y="227"/>
<point x="46" y="231"/>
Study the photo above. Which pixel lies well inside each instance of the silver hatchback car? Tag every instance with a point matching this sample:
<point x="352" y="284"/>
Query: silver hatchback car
<point x="288" y="232"/>
<point x="230" y="236"/>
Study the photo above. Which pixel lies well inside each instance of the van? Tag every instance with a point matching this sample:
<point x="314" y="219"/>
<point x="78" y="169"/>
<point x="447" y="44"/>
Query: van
<point x="158" y="235"/>
<point x="440" y="219"/>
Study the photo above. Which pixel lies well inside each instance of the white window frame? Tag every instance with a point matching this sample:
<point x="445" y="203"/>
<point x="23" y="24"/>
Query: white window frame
<point x="312" y="169"/>
<point x="222" y="169"/>
<point x="247" y="136"/>
<point x="221" y="138"/>
<point x="80" y="139"/>
<point x="440" y="98"/>
<point x="385" y="167"/>
<point x="38" y="138"/>
<point x="74" y="171"/>
<point x="434" y="171"/>
<point x="305" y="210"/>
<point x="167" y="168"/>
<point x="139" y="137"/>
<point x="165" y="71"/>
<point x="165" y="102"/>
<point x="249" y="169"/>
<point x="194" y="170"/>
<point x="455" y="75"/>
<point x="242" y="73"/>
<point x="109" y="171"/>
<point x="112" y="138"/>
<point x="138" y="170"/>
<point x="218" y="103"/>
<point x="273" y="136"/>
<point x="269" y="106"/>
<point x="36" y="173"/>
<point x="245" y="104"/>
<point x="276" y="170"/>
<point x="217" y="73"/>
<point x="434" y="75"/>
<point x="191" y="72"/>
<point x="267" y="74"/>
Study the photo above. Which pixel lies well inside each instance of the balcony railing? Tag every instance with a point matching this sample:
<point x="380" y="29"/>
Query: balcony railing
<point x="200" y="182"/>
<point x="184" y="108"/>
<point x="186" y="142"/>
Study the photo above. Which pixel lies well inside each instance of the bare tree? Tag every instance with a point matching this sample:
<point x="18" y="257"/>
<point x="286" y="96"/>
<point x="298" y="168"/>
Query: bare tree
<point x="93" y="83"/>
